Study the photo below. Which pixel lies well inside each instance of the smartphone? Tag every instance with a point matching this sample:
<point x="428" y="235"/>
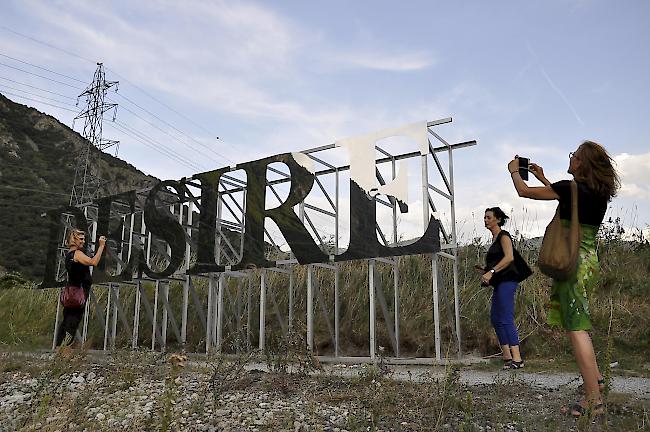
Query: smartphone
<point x="523" y="167"/>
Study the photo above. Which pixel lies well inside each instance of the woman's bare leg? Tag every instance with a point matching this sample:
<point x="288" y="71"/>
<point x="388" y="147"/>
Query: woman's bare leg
<point x="583" y="350"/>
<point x="505" y="349"/>
<point x="514" y="351"/>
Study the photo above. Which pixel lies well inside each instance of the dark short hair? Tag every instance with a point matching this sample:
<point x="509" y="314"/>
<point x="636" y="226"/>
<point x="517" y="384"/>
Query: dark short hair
<point x="499" y="214"/>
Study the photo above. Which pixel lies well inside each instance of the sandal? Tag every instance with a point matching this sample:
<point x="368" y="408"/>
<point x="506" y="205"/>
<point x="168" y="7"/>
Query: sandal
<point x="506" y="364"/>
<point x="515" y="365"/>
<point x="578" y="410"/>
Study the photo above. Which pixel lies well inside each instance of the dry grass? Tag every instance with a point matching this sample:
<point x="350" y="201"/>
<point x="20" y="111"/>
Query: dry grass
<point x="620" y="301"/>
<point x="371" y="400"/>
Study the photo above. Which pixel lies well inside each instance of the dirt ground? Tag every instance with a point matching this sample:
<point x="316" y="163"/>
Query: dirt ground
<point x="144" y="391"/>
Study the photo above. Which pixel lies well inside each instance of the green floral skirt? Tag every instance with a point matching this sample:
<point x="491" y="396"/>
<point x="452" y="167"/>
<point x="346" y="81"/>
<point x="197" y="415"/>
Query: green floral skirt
<point x="569" y="305"/>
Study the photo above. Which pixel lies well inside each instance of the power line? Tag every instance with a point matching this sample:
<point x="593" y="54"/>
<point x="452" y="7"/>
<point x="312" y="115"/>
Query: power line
<point x="44" y="103"/>
<point x="139" y="136"/>
<point x="42" y="68"/>
<point x="34" y="190"/>
<point x="165" y="105"/>
<point x="37" y="88"/>
<point x="176" y="129"/>
<point x="142" y="135"/>
<point x="157" y="146"/>
<point x="22" y="166"/>
<point x="153" y="142"/>
<point x="10" y="204"/>
<point x="45" y="43"/>
<point x="160" y="148"/>
<point x="167" y="133"/>
<point x="123" y="79"/>
<point x="33" y="94"/>
<point x="40" y="76"/>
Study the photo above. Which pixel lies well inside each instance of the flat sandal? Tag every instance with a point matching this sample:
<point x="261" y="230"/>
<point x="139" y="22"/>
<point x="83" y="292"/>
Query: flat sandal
<point x="578" y="410"/>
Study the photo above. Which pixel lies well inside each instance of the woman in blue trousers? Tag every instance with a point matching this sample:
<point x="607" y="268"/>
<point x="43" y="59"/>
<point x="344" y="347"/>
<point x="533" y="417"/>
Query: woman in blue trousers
<point x="500" y="272"/>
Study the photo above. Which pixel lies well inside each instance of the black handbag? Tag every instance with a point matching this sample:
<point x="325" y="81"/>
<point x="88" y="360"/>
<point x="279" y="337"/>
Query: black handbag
<point x="522" y="268"/>
<point x="518" y="270"/>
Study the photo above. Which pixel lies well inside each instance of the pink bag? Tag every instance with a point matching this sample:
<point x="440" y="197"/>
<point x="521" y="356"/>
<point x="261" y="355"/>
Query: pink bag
<point x="73" y="297"/>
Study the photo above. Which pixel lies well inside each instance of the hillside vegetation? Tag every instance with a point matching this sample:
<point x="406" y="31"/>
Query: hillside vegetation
<point x="37" y="165"/>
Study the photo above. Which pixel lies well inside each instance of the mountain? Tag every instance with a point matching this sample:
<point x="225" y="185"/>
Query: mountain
<point x="37" y="159"/>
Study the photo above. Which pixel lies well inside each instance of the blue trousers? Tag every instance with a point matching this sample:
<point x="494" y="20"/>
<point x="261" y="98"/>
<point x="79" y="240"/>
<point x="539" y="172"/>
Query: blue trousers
<point x="503" y="313"/>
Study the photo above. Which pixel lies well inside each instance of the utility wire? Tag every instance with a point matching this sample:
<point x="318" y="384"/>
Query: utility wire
<point x="34" y="190"/>
<point x="164" y="104"/>
<point x="169" y="150"/>
<point x="113" y="72"/>
<point x="166" y="132"/>
<point x="34" y="100"/>
<point x="170" y="153"/>
<point x="158" y="146"/>
<point x="176" y="129"/>
<point x="154" y="145"/>
<point x="42" y="68"/>
<point x="10" y="204"/>
<point x="133" y="133"/>
<point x="40" y="76"/>
<point x="33" y="94"/>
<point x="37" y="88"/>
<point x="132" y="112"/>
<point x="45" y="43"/>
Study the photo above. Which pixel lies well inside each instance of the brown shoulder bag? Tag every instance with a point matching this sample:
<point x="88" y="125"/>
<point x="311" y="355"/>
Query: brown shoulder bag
<point x="558" y="256"/>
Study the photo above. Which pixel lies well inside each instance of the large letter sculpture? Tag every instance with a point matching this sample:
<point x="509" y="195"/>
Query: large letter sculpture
<point x="160" y="222"/>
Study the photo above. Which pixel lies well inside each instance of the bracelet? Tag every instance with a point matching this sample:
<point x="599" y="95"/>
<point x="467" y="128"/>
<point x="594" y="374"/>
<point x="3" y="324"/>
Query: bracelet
<point x="512" y="172"/>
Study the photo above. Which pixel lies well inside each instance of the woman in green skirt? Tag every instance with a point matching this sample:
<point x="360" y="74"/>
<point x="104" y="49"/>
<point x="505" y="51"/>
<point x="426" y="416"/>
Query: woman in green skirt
<point x="593" y="170"/>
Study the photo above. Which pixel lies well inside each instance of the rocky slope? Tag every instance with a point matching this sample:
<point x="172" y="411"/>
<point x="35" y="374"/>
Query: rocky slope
<point x="37" y="159"/>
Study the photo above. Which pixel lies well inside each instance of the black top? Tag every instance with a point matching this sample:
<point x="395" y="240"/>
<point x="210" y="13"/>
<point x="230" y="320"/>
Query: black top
<point x="494" y="255"/>
<point x="591" y="207"/>
<point x="78" y="274"/>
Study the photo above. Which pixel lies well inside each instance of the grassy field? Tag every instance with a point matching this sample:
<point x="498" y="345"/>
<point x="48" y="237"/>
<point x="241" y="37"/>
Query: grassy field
<point x="620" y="309"/>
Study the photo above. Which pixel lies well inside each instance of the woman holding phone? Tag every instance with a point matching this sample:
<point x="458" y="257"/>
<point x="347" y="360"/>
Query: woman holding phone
<point x="593" y="170"/>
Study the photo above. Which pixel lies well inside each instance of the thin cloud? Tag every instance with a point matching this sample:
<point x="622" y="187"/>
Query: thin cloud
<point x="552" y="84"/>
<point x="561" y="94"/>
<point x="405" y="62"/>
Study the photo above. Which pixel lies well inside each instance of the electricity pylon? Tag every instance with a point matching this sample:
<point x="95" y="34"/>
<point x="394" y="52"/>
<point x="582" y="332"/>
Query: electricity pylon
<point x="86" y="176"/>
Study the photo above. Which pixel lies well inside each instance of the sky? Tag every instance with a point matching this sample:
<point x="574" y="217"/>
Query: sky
<point x="207" y="84"/>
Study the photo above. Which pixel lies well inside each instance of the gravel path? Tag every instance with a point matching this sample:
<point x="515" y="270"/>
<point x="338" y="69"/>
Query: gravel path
<point x="634" y="386"/>
<point x="110" y="393"/>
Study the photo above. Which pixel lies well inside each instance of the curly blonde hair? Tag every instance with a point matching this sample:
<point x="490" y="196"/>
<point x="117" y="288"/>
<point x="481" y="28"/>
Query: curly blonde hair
<point x="74" y="235"/>
<point x="597" y="169"/>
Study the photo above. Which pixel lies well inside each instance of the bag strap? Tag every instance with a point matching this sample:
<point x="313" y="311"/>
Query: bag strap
<point x="574" y="202"/>
<point x="574" y="233"/>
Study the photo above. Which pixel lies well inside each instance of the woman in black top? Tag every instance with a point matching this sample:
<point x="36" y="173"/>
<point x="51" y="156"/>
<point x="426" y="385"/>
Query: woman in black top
<point x="593" y="170"/>
<point x="500" y="273"/>
<point x="77" y="263"/>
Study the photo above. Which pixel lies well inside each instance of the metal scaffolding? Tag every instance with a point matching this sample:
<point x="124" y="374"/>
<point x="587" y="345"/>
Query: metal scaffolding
<point x="231" y="308"/>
